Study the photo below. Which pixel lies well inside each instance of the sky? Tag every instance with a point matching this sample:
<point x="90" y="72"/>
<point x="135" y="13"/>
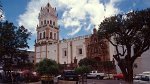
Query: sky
<point x="75" y="17"/>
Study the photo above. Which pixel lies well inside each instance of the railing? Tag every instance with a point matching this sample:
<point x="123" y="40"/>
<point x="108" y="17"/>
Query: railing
<point x="75" y="38"/>
<point x="52" y="26"/>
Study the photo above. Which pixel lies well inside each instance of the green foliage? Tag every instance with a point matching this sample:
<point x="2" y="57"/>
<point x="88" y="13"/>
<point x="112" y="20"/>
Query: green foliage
<point x="47" y="67"/>
<point x="108" y="65"/>
<point x="87" y="62"/>
<point x="61" y="68"/>
<point x="128" y="29"/>
<point x="94" y="64"/>
<point x="130" y="33"/>
<point x="13" y="42"/>
<point x="82" y="70"/>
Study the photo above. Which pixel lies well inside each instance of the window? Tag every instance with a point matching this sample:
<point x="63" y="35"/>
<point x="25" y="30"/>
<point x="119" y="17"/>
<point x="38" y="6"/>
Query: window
<point x="41" y="22"/>
<point x="80" y="51"/>
<point x="47" y="22"/>
<point x="40" y="35"/>
<point x="43" y="34"/>
<point x="64" y="52"/>
<point x="51" y="35"/>
<point x="53" y="23"/>
<point x="47" y="10"/>
<point x="44" y="21"/>
<point x="54" y="35"/>
<point x="50" y="22"/>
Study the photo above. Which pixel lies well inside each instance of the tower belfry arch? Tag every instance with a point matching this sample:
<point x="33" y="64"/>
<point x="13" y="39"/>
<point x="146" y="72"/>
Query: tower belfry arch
<point x="47" y="30"/>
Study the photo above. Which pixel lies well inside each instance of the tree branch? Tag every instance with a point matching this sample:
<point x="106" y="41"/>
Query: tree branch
<point x="109" y="39"/>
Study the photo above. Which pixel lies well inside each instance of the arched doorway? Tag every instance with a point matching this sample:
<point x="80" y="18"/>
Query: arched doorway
<point x="98" y="65"/>
<point x="97" y="59"/>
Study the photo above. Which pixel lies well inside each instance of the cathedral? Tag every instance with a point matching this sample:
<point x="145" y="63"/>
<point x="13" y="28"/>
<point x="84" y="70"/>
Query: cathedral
<point x="66" y="51"/>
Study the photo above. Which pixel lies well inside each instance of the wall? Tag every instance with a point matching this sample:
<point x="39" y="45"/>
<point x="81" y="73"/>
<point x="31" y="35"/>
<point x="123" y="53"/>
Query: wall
<point x="55" y="51"/>
<point x="143" y="63"/>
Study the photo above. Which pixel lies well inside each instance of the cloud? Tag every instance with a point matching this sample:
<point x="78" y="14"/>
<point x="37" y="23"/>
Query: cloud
<point x="2" y="15"/>
<point x="74" y="15"/>
<point x="88" y="27"/>
<point x="31" y="49"/>
<point x="74" y="30"/>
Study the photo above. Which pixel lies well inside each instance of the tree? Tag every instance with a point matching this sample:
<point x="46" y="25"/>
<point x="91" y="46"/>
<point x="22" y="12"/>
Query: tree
<point x="13" y="42"/>
<point x="131" y="37"/>
<point x="47" y="67"/>
<point x="61" y="68"/>
<point x="82" y="70"/>
<point x="87" y="62"/>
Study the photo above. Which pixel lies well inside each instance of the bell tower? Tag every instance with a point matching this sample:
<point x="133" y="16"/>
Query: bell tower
<point x="47" y="30"/>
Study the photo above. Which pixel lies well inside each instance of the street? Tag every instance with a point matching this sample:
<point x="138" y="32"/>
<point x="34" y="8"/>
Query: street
<point x="90" y="81"/>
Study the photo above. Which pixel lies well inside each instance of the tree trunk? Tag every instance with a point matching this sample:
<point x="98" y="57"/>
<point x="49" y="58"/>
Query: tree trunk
<point x="127" y="71"/>
<point x="82" y="79"/>
<point x="130" y="73"/>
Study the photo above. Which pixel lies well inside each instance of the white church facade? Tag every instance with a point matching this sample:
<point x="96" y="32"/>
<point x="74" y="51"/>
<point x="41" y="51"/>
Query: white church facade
<point x="49" y="46"/>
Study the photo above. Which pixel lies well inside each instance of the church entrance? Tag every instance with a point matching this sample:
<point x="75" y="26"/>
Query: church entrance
<point x="98" y="59"/>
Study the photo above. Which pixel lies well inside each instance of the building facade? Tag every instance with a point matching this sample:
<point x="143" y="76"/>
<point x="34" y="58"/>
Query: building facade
<point x="97" y="48"/>
<point x="141" y="64"/>
<point x="31" y="56"/>
<point x="65" y="51"/>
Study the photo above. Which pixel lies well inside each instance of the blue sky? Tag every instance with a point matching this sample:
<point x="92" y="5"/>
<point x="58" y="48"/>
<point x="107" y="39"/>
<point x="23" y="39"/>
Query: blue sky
<point x="76" y="17"/>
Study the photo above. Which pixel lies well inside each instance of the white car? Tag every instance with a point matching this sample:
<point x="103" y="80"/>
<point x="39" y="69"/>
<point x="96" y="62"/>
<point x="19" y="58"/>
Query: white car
<point x="145" y="79"/>
<point x="137" y="78"/>
<point x="146" y="73"/>
<point x="95" y="74"/>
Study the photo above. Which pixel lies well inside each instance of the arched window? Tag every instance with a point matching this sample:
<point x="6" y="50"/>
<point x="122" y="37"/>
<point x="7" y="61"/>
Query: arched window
<point x="47" y="22"/>
<point x="40" y="35"/>
<point x="50" y="22"/>
<point x="44" y="21"/>
<point x="50" y="35"/>
<point x="43" y="34"/>
<point x="54" y="35"/>
<point x="41" y="22"/>
<point x="54" y="23"/>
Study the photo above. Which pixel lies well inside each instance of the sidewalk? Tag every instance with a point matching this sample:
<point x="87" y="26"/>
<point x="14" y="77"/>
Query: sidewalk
<point x="66" y="82"/>
<point x="34" y="83"/>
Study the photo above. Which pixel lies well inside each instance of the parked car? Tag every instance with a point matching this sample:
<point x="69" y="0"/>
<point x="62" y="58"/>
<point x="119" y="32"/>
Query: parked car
<point x="118" y="76"/>
<point x="108" y="76"/>
<point x="70" y="75"/>
<point x="59" y="77"/>
<point x="137" y="78"/>
<point x="95" y="74"/>
<point x="146" y="73"/>
<point x="56" y="78"/>
<point x="145" y="79"/>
